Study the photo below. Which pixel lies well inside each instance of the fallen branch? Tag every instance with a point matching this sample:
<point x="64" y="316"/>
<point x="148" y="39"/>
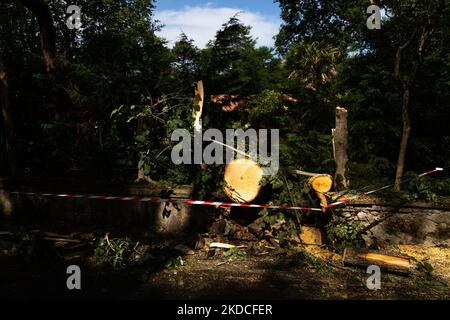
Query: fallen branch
<point x="61" y="240"/>
<point x="304" y="173"/>
<point x="224" y="245"/>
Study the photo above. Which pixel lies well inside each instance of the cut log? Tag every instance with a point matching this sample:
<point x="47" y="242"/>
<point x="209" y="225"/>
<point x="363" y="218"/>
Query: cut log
<point x="387" y="262"/>
<point x="320" y="184"/>
<point x="242" y="180"/>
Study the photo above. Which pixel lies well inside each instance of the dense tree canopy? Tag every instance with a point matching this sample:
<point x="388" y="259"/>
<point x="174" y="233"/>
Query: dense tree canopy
<point x="105" y="99"/>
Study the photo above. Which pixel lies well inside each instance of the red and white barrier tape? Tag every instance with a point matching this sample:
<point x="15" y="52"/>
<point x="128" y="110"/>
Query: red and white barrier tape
<point x="209" y="203"/>
<point x="161" y="200"/>
<point x="345" y="200"/>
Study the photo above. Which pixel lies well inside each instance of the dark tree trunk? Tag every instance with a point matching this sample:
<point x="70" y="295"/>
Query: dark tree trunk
<point x="8" y="121"/>
<point x="47" y="31"/>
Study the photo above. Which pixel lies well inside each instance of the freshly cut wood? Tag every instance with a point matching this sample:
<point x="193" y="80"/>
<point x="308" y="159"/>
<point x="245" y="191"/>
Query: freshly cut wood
<point x="197" y="113"/>
<point x="323" y="201"/>
<point x="311" y="236"/>
<point x="198" y="109"/>
<point x="321" y="183"/>
<point x="386" y="262"/>
<point x="242" y="180"/>
<point x="221" y="245"/>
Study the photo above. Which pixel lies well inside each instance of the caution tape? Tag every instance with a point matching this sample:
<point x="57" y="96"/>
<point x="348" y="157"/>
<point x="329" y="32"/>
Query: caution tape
<point x="162" y="200"/>
<point x="209" y="203"/>
<point x="345" y="200"/>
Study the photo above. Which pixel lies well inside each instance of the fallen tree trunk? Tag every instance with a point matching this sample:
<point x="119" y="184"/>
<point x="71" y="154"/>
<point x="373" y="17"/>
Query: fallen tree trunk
<point x="387" y="262"/>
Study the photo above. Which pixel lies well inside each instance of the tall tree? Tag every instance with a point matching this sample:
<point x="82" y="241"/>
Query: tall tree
<point x="234" y="63"/>
<point x="47" y="33"/>
<point x="410" y="35"/>
<point x="185" y="64"/>
<point x="8" y="122"/>
<point x="228" y="51"/>
<point x="423" y="17"/>
<point x="312" y="63"/>
<point x="319" y="20"/>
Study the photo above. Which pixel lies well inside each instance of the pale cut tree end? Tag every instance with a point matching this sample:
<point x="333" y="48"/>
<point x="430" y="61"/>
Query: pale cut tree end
<point x="242" y="180"/>
<point x="321" y="183"/>
<point x="340" y="109"/>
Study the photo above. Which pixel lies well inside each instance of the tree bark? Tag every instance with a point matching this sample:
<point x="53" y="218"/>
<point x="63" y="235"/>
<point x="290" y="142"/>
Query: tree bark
<point x="340" y="145"/>
<point x="404" y="141"/>
<point x="47" y="31"/>
<point x="8" y="121"/>
<point x="406" y="96"/>
<point x="141" y="176"/>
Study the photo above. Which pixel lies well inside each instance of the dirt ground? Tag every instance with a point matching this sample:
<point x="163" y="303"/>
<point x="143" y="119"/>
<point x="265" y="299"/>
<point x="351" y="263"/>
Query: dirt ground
<point x="257" y="271"/>
<point x="282" y="276"/>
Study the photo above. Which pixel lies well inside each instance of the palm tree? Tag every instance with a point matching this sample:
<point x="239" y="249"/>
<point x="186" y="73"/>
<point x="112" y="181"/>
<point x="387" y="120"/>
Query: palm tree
<point x="313" y="63"/>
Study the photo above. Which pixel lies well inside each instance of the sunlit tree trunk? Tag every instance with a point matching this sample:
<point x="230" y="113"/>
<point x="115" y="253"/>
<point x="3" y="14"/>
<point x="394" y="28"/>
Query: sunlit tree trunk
<point x="340" y="144"/>
<point x="406" y="84"/>
<point x="404" y="141"/>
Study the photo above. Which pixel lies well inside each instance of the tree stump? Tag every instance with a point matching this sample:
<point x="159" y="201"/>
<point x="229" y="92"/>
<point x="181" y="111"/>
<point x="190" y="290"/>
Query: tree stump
<point x="340" y="145"/>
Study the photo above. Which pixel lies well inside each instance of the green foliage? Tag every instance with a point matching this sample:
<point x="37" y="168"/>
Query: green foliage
<point x="315" y="31"/>
<point x="425" y="267"/>
<point x="152" y="119"/>
<point x="265" y="108"/>
<point x="426" y="188"/>
<point x="343" y="232"/>
<point x="280" y="225"/>
<point x="339" y="23"/>
<point x="174" y="263"/>
<point x="185" y="65"/>
<point x="205" y="181"/>
<point x="117" y="75"/>
<point x="233" y="65"/>
<point x="235" y="254"/>
<point x="118" y="253"/>
<point x="313" y="63"/>
<point x="22" y="244"/>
